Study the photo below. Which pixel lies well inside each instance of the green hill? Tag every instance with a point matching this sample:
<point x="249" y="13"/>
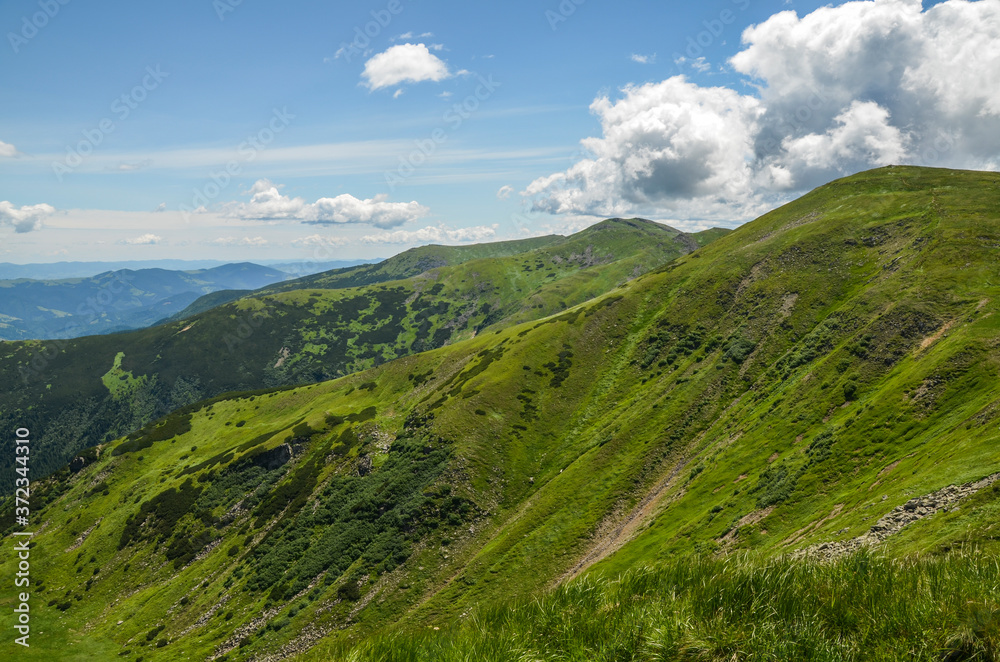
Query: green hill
<point x="823" y="374"/>
<point x="82" y="392"/>
<point x="413" y="262"/>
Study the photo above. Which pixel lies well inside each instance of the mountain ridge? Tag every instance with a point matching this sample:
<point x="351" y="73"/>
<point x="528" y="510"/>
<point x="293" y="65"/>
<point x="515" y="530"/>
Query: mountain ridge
<point x="301" y="335"/>
<point x="786" y="385"/>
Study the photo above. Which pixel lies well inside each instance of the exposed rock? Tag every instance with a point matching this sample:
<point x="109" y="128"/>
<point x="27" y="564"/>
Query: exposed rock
<point x="893" y="522"/>
<point x="283" y="355"/>
<point x="83" y="536"/>
<point x="274" y="458"/>
<point x="364" y="465"/>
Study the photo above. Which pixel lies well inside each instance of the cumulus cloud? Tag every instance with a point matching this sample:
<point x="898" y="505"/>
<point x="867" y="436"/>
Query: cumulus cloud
<point x="663" y="143"/>
<point x="404" y="63"/>
<point x="839" y="90"/>
<point x="505" y="192"/>
<point x="268" y="204"/>
<point x="433" y="234"/>
<point x="142" y="240"/>
<point x="7" y="149"/>
<point x="643" y="59"/>
<point x="934" y="73"/>
<point x="24" y="219"/>
<point x="862" y="134"/>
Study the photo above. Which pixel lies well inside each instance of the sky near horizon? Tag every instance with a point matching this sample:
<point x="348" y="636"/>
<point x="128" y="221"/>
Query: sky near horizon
<point x="243" y="130"/>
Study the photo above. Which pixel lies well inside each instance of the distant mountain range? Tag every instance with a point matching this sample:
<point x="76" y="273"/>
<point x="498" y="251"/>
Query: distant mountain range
<point x="115" y="300"/>
<point x="59" y="270"/>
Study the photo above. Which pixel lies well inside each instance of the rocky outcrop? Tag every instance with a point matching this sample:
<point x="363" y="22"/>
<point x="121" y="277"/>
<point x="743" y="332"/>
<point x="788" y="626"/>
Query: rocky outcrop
<point x="274" y="458"/>
<point x="364" y="465"/>
<point x="893" y="522"/>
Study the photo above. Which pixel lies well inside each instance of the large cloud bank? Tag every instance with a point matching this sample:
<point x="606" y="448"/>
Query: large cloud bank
<point x="839" y="90"/>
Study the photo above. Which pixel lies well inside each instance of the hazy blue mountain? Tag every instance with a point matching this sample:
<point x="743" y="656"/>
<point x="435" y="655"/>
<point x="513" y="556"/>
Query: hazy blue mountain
<point x="115" y="300"/>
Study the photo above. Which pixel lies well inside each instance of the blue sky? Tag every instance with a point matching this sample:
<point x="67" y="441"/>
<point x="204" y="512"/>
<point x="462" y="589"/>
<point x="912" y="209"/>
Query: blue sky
<point x="455" y="121"/>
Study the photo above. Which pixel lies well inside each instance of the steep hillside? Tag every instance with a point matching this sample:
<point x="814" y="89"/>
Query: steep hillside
<point x="82" y="392"/>
<point x="413" y="262"/>
<point x="793" y="383"/>
<point x="114" y="300"/>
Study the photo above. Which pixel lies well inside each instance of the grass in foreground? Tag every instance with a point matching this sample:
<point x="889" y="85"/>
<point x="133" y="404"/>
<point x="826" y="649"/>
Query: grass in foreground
<point x="862" y="607"/>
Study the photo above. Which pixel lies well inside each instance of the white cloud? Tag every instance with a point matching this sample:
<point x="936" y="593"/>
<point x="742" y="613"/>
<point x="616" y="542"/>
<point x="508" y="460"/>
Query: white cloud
<point x="268" y="204"/>
<point x="160" y="208"/>
<point x="255" y="242"/>
<point x="410" y="35"/>
<point x="405" y="63"/>
<point x="24" y="219"/>
<point x="317" y="241"/>
<point x="143" y="240"/>
<point x="132" y="167"/>
<point x="842" y="89"/>
<point x="663" y="143"/>
<point x="644" y="59"/>
<point x="505" y="192"/>
<point x="935" y="73"/>
<point x="433" y="234"/>
<point x="7" y="149"/>
<point x="861" y="134"/>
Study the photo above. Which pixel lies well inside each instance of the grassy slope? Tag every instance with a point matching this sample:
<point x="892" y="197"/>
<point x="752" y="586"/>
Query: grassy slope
<point x="837" y="351"/>
<point x="413" y="262"/>
<point x="862" y="608"/>
<point x="307" y="335"/>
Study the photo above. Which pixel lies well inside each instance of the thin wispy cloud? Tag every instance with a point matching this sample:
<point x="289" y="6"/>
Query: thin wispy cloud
<point x="436" y="234"/>
<point x="319" y="241"/>
<point x="134" y="166"/>
<point x="410" y="35"/>
<point x="256" y="242"/>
